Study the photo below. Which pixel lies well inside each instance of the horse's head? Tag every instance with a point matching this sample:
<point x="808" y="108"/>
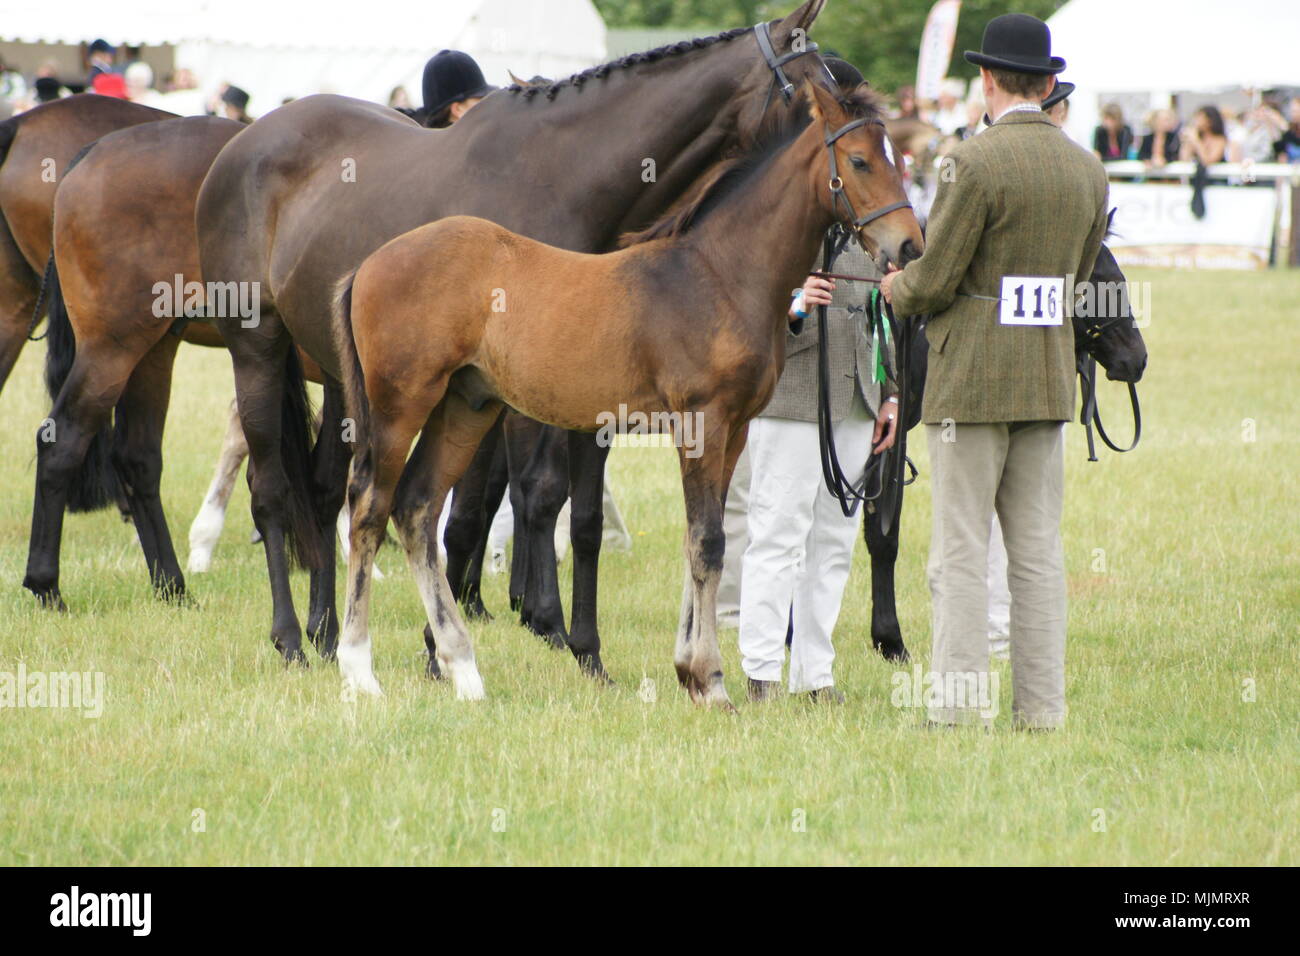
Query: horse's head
<point x="781" y="56"/>
<point x="1104" y="326"/>
<point x="863" y="187"/>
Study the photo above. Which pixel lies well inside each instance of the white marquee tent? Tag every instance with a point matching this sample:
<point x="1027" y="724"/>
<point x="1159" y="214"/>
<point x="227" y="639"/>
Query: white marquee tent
<point x="1166" y="46"/>
<point x="277" y="48"/>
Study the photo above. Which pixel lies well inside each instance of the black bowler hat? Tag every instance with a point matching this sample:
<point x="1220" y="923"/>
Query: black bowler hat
<point x="1060" y="92"/>
<point x="449" y="77"/>
<point x="1017" y="42"/>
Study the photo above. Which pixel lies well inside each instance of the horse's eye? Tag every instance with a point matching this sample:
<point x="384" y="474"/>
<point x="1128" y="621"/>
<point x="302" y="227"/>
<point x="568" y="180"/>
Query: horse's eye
<point x="859" y="163"/>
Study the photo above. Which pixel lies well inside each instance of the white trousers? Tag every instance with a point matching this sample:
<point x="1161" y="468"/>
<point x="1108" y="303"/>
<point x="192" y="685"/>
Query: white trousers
<point x="800" y="547"/>
<point x="735" y="527"/>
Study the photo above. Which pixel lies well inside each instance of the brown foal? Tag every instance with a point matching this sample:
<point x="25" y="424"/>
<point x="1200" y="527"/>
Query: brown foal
<point x="445" y="323"/>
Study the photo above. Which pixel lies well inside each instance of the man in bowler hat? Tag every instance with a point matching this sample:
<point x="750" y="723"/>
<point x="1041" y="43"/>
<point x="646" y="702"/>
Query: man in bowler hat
<point x="1020" y="209"/>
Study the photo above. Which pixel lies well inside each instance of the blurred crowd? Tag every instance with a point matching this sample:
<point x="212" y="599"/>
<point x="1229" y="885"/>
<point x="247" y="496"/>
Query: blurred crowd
<point x="120" y="72"/>
<point x="1266" y="132"/>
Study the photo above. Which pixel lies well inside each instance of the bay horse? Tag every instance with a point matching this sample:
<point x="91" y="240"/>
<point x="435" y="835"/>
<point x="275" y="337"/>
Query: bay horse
<point x="445" y="324"/>
<point x="123" y="228"/>
<point x="36" y="148"/>
<point x="306" y="193"/>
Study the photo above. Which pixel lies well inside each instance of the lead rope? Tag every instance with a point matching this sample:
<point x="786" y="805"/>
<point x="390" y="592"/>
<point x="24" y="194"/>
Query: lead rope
<point x="1090" y="414"/>
<point x="40" y="300"/>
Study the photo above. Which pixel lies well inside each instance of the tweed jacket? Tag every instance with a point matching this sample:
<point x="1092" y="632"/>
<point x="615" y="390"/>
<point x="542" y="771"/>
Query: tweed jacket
<point x="850" y="356"/>
<point x="1019" y="199"/>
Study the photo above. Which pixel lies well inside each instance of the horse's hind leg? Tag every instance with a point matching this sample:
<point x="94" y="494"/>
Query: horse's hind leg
<point x="18" y="292"/>
<point x="586" y="527"/>
<point x="330" y="460"/>
<point x="264" y="376"/>
<point x="82" y="409"/>
<point x="206" y="527"/>
<point x="137" y="458"/>
<point x="444" y="451"/>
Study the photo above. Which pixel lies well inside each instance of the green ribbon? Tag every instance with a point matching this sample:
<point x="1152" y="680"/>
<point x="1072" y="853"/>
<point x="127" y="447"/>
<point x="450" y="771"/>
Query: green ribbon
<point x="879" y="329"/>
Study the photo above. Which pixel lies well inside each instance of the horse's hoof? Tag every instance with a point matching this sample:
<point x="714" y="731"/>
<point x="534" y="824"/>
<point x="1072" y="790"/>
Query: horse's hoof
<point x="431" y="668"/>
<point x="591" y="666"/>
<point x="50" y="600"/>
<point x="476" y="611"/>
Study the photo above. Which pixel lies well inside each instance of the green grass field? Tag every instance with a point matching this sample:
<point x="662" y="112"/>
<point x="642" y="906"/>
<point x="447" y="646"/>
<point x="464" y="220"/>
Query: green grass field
<point x="1182" y="748"/>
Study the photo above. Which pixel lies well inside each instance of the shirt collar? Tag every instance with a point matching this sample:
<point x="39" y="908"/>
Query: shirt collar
<point x="1019" y="108"/>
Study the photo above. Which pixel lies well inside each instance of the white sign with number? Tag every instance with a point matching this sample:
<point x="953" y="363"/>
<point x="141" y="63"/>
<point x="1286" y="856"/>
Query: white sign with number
<point x="1032" y="300"/>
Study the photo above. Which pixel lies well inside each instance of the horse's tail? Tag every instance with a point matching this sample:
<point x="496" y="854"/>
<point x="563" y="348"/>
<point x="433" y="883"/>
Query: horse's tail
<point x="354" y="380"/>
<point x="304" y="537"/>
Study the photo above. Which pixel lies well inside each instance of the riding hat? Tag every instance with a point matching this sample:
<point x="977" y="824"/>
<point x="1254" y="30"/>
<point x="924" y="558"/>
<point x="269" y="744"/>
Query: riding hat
<point x="234" y="96"/>
<point x="846" y="75"/>
<point x="1017" y="42"/>
<point x="449" y="77"/>
<point x="1061" y="91"/>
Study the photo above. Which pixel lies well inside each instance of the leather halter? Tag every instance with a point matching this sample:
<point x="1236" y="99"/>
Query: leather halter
<point x="776" y="63"/>
<point x="838" y="195"/>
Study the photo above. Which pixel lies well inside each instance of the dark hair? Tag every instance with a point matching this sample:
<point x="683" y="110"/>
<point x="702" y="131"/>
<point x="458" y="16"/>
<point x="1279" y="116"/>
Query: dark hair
<point x="1021" y="84"/>
<point x="1215" y="118"/>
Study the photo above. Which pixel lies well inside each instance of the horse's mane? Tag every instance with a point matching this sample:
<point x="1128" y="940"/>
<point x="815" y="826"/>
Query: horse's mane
<point x="729" y="174"/>
<point x="531" y="89"/>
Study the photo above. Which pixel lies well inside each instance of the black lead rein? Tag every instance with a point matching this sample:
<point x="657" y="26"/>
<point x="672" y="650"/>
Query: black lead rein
<point x="1090" y="414"/>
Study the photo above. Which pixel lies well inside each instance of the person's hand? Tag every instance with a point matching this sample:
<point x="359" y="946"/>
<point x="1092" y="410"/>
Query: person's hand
<point x="816" y="291"/>
<point x="886" y="425"/>
<point x="887" y="283"/>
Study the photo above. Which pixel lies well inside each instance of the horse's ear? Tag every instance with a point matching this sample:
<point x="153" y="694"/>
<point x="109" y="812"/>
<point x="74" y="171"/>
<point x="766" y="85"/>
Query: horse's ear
<point x="800" y="19"/>
<point x="822" y="103"/>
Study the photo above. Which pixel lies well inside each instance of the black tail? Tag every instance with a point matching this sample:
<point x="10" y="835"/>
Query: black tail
<point x="303" y="533"/>
<point x="354" y="382"/>
<point x="94" y="485"/>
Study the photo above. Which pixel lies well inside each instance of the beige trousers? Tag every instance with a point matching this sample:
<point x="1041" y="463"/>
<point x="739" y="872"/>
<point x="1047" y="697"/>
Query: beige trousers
<point x="1019" y="470"/>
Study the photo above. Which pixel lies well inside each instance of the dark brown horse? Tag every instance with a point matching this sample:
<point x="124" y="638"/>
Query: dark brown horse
<point x="123" y="233"/>
<point x="36" y="149"/>
<point x="310" y="190"/>
<point x="445" y="324"/>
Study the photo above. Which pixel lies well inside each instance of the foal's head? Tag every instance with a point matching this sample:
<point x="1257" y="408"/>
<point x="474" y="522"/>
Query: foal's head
<point x="858" y="179"/>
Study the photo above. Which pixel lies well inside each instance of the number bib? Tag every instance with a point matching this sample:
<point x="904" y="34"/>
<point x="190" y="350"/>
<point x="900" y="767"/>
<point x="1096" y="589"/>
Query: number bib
<point x="1032" y="300"/>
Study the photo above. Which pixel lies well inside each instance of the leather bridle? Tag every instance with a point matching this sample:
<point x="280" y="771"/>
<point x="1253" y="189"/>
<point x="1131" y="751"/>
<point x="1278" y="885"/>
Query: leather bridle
<point x="838" y="196"/>
<point x="1089" y="412"/>
<point x="776" y="63"/>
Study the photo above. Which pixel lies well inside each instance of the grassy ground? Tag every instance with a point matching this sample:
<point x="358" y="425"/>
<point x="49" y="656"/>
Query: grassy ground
<point x="1181" y="747"/>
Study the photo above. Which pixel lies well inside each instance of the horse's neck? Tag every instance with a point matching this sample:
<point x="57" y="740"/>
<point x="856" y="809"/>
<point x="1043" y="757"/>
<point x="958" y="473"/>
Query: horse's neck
<point x="628" y="144"/>
<point x="764" y="236"/>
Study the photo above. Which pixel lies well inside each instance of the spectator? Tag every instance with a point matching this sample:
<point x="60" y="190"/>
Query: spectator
<point x="1113" y="139"/>
<point x="181" y="95"/>
<point x="1160" y="146"/>
<point x="234" y="104"/>
<point x="110" y="84"/>
<point x="907" y="108"/>
<point x="1288" y="146"/>
<point x="1205" y="140"/>
<point x="975" y="119"/>
<point x="951" y="114"/>
<point x="139" y="85"/>
<point x="100" y="61"/>
<point x="399" y="99"/>
<point x="13" y="90"/>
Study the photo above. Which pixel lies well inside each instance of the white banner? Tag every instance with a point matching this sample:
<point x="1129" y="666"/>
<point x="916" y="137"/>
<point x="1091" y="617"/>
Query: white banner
<point x="936" y="48"/>
<point x="1155" y="226"/>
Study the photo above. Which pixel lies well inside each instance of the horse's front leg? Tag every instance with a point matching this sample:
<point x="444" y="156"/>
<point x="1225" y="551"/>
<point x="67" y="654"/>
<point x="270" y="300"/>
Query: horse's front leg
<point x="586" y="529"/>
<point x="706" y="469"/>
<point x="206" y="527"/>
<point x="886" y="635"/>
